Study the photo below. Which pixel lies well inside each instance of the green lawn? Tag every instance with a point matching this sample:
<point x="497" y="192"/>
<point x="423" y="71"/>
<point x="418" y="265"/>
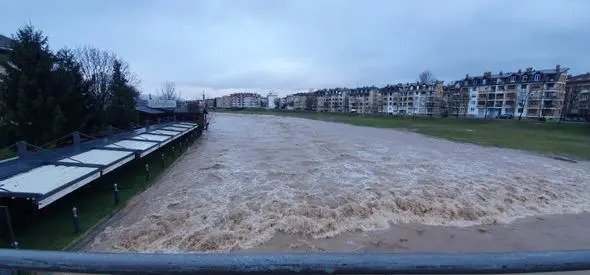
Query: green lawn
<point x="564" y="139"/>
<point x="52" y="227"/>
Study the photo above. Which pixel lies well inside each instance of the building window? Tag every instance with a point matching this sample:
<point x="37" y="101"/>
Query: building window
<point x="520" y="110"/>
<point x="474" y="89"/>
<point x="523" y="86"/>
<point x="550" y="85"/>
<point x="537" y="77"/>
<point x="484" y="82"/>
<point x="513" y="78"/>
<point x="472" y="109"/>
<point x="525" y="77"/>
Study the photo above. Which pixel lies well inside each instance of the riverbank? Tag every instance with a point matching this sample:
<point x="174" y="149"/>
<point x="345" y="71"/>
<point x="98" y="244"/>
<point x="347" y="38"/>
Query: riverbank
<point x="273" y="183"/>
<point x="51" y="228"/>
<point x="562" y="139"/>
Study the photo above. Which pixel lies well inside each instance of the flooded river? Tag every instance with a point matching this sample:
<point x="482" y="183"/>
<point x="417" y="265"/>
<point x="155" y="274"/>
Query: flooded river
<point x="251" y="177"/>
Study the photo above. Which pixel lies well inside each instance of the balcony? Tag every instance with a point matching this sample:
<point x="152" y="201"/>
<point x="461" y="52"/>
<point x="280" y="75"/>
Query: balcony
<point x="545" y="112"/>
<point x="532" y="112"/>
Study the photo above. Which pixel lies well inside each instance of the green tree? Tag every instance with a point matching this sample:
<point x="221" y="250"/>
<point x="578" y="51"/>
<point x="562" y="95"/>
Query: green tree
<point x="121" y="110"/>
<point x="29" y="103"/>
<point x="77" y="104"/>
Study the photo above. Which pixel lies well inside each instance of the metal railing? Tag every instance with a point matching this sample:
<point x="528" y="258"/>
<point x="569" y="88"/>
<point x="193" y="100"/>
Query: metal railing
<point x="286" y="263"/>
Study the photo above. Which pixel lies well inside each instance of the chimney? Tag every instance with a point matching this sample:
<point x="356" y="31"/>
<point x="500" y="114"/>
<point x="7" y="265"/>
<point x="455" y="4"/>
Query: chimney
<point x="466" y="76"/>
<point x="529" y="69"/>
<point x="557" y="68"/>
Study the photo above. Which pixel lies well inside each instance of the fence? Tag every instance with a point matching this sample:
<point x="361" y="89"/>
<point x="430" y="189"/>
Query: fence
<point x="290" y="263"/>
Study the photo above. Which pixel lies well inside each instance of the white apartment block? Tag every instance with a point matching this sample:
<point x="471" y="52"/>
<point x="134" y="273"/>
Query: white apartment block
<point x="412" y="99"/>
<point x="239" y="100"/>
<point x="529" y="93"/>
<point x="271" y="97"/>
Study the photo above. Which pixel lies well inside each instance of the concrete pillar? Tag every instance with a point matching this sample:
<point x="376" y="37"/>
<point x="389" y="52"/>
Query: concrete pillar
<point x="21" y="147"/>
<point x="110" y="132"/>
<point x="76" y="138"/>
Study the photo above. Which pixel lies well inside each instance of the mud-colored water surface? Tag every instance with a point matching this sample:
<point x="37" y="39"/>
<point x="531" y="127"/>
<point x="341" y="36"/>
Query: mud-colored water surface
<point x="268" y="183"/>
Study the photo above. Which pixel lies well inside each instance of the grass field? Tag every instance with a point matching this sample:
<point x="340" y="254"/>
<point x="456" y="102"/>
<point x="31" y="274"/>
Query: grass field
<point x="563" y="139"/>
<point x="51" y="228"/>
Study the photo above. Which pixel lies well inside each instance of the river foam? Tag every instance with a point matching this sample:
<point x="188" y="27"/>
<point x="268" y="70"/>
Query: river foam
<point x="251" y="176"/>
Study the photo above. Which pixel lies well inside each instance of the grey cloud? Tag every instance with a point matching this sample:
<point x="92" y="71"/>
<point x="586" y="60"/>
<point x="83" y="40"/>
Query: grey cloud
<point x="286" y="45"/>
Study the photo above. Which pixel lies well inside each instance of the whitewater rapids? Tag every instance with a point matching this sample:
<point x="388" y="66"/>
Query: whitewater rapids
<point x="251" y="176"/>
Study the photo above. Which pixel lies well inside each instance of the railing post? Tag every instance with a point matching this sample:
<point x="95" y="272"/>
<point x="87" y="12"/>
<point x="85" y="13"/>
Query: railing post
<point x="9" y="229"/>
<point x="76" y="138"/>
<point x="147" y="124"/>
<point x="147" y="171"/>
<point x="21" y="147"/>
<point x="110" y="132"/>
<point x="75" y="220"/>
<point x="116" y="193"/>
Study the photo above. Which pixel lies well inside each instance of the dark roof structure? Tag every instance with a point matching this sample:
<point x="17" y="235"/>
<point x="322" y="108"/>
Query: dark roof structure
<point x="579" y="78"/>
<point x="148" y="110"/>
<point x="5" y="43"/>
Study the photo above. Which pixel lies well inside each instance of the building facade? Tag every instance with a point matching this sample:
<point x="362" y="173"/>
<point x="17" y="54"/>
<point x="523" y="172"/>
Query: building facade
<point x="332" y="100"/>
<point x="577" y="99"/>
<point x="456" y="99"/>
<point x="5" y="48"/>
<point x="271" y="99"/>
<point x="529" y="93"/>
<point x="413" y="99"/>
<point x="223" y="102"/>
<point x="364" y="100"/>
<point x="239" y="100"/>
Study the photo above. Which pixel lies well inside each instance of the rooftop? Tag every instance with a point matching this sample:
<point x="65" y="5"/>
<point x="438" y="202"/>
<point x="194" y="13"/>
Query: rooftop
<point x="5" y="43"/>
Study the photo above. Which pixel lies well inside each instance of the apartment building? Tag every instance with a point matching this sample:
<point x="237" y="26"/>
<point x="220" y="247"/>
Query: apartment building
<point x="245" y="100"/>
<point x="529" y="93"/>
<point x="332" y="100"/>
<point x="577" y="99"/>
<point x="412" y="99"/>
<point x="5" y="48"/>
<point x="303" y="101"/>
<point x="271" y="98"/>
<point x="239" y="100"/>
<point x="455" y="99"/>
<point x="223" y="102"/>
<point x="364" y="100"/>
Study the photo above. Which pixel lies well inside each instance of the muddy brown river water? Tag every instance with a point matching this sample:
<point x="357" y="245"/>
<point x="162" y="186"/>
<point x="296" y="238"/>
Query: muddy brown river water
<point x="268" y="183"/>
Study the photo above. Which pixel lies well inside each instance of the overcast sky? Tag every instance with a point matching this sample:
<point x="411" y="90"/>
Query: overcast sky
<point x="217" y="46"/>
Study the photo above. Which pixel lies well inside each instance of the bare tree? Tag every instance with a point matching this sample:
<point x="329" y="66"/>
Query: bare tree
<point x="97" y="68"/>
<point x="168" y="91"/>
<point x="426" y="77"/>
<point x="523" y="100"/>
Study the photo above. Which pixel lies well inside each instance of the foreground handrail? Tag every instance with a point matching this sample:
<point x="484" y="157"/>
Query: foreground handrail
<point x="275" y="263"/>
